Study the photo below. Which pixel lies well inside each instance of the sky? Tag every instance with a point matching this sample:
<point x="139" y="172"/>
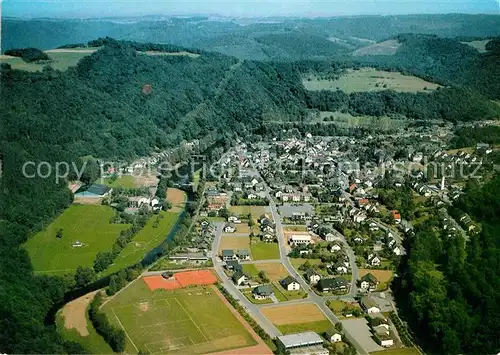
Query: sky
<point x="240" y="8"/>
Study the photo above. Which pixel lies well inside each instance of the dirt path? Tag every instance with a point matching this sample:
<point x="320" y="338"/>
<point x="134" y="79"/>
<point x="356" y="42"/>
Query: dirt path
<point x="260" y="348"/>
<point x="74" y="313"/>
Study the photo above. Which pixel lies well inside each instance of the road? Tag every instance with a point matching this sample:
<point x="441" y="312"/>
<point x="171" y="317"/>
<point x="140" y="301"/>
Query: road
<point x="251" y="308"/>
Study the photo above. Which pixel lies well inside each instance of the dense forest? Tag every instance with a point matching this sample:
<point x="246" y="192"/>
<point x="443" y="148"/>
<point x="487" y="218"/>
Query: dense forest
<point x="101" y="108"/>
<point x="448" y="291"/>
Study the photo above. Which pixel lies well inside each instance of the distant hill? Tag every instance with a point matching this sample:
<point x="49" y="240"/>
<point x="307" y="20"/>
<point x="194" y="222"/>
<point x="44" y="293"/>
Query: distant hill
<point x="249" y="41"/>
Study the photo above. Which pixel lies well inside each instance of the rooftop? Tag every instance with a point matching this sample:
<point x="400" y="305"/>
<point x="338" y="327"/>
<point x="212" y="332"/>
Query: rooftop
<point x="300" y="339"/>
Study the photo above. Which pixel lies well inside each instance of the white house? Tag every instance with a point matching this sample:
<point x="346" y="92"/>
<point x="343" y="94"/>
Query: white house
<point x="335" y="247"/>
<point x="300" y="239"/>
<point x="240" y="278"/>
<point x="234" y="219"/>
<point x="397" y="251"/>
<point x="290" y="284"/>
<point x="312" y="276"/>
<point x="369" y="305"/>
<point x="374" y="260"/>
<point x="229" y="228"/>
<point x="330" y="237"/>
<point x="335" y="338"/>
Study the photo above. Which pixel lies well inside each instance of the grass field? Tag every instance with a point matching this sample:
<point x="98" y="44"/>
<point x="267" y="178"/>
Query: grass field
<point x="400" y="351"/>
<point x="479" y="45"/>
<point x="388" y="47"/>
<point x="250" y="269"/>
<point x="337" y="306"/>
<point x="147" y="239"/>
<point x="369" y="79"/>
<point x="348" y="121"/>
<point x="298" y="262"/>
<point x="193" y="320"/>
<point x="61" y="60"/>
<point x="88" y="224"/>
<point x="177" y="198"/>
<point x="383" y="276"/>
<point x="124" y="181"/>
<point x="297" y="318"/>
<point x="255" y="211"/>
<point x="265" y="251"/>
<point x="275" y="271"/>
<point x="234" y="243"/>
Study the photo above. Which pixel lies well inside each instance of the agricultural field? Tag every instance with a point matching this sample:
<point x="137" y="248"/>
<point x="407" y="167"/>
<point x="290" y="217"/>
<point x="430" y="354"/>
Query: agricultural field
<point x="191" y="320"/>
<point x="383" y="276"/>
<point x="234" y="243"/>
<point x="389" y="47"/>
<point x="177" y="198"/>
<point x="158" y="53"/>
<point x="124" y="181"/>
<point x="297" y="318"/>
<point x="88" y="224"/>
<point x="480" y="46"/>
<point x="62" y="59"/>
<point x="265" y="251"/>
<point x="73" y="324"/>
<point x="369" y="79"/>
<point x="152" y="235"/>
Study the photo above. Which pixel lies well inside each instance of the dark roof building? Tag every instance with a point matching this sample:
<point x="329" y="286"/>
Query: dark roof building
<point x="94" y="190"/>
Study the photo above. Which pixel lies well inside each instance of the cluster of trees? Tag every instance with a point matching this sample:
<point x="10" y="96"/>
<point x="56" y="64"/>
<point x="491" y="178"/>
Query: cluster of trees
<point x="115" y="337"/>
<point x="448" y="287"/>
<point x="470" y="136"/>
<point x="28" y="54"/>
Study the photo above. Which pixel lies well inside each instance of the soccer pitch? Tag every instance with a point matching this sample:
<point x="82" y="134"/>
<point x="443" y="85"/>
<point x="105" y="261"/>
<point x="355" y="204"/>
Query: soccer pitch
<point x="189" y="320"/>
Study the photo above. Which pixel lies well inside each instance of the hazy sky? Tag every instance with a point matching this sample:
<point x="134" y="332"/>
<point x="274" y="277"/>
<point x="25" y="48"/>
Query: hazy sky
<point x="245" y="8"/>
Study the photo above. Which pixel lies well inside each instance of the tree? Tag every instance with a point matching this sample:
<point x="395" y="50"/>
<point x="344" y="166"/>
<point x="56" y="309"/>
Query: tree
<point x="83" y="276"/>
<point x="59" y="233"/>
<point x="263" y="276"/>
<point x="223" y="212"/>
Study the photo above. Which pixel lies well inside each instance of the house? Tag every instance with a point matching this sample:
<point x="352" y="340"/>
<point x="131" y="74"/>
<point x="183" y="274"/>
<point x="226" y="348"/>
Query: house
<point x="312" y="276"/>
<point x="329" y="237"/>
<point x="333" y="336"/>
<point x="340" y="268"/>
<point x="374" y="260"/>
<point x="300" y="239"/>
<point x="382" y="334"/>
<point x="243" y="254"/>
<point x="267" y="228"/>
<point x="268" y="237"/>
<point x="335" y="285"/>
<point x="290" y="284"/>
<point x="352" y="187"/>
<point x="396" y="216"/>
<point x="240" y="278"/>
<point x="262" y="292"/>
<point x="228" y="254"/>
<point x="369" y="282"/>
<point x="369" y="305"/>
<point x="252" y="196"/>
<point x="234" y="265"/>
<point x="397" y="250"/>
<point x="335" y="247"/>
<point x="234" y="219"/>
<point x="229" y="228"/>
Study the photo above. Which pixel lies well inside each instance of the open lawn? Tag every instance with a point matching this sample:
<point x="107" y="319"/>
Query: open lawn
<point x="297" y="318"/>
<point x="243" y="211"/>
<point x="346" y="120"/>
<point x="62" y="59"/>
<point x="400" y="351"/>
<point x="124" y="181"/>
<point x="383" y="276"/>
<point x="191" y="320"/>
<point x="369" y="79"/>
<point x="147" y="239"/>
<point x="250" y="269"/>
<point x="284" y="295"/>
<point x="337" y="306"/>
<point x="234" y="243"/>
<point x="88" y="224"/>
<point x="275" y="271"/>
<point x="265" y="251"/>
<point x="298" y="262"/>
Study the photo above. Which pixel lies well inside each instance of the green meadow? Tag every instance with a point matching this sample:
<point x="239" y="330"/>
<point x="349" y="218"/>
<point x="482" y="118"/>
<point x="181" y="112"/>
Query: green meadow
<point x="88" y="224"/>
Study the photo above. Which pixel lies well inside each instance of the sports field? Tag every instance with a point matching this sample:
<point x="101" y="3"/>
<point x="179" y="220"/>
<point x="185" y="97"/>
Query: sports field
<point x="297" y="318"/>
<point x="88" y="224"/>
<point x="369" y="79"/>
<point x="147" y="239"/>
<point x="62" y="59"/>
<point x="184" y="321"/>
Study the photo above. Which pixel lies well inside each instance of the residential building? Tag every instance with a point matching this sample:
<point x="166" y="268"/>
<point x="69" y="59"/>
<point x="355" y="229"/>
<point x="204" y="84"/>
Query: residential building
<point x="243" y="254"/>
<point x="337" y="284"/>
<point x="240" y="278"/>
<point x="290" y="284"/>
<point x="229" y="228"/>
<point x="262" y="292"/>
<point x="312" y="276"/>
<point x="333" y="336"/>
<point x="300" y="239"/>
<point x="369" y="282"/>
<point x="369" y="305"/>
<point x="228" y="254"/>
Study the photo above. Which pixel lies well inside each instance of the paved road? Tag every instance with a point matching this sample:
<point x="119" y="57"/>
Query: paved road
<point x="251" y="308"/>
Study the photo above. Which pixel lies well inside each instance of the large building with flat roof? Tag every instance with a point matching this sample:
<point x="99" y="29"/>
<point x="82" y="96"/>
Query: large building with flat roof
<point x="302" y="343"/>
